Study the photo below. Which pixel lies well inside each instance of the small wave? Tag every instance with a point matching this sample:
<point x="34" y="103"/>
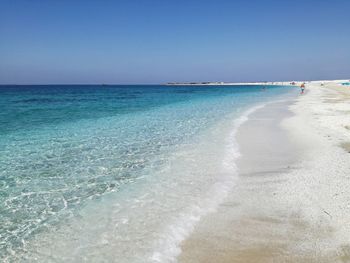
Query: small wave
<point x="168" y="248"/>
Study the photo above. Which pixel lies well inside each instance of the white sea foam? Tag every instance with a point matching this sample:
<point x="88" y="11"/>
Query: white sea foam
<point x="168" y="247"/>
<point x="148" y="223"/>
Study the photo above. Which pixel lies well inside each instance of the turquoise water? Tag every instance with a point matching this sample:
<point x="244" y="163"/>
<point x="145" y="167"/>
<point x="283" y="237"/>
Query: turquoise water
<point x="103" y="172"/>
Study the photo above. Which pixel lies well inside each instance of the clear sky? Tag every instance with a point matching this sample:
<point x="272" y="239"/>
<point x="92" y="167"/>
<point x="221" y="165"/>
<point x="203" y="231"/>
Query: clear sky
<point x="156" y="41"/>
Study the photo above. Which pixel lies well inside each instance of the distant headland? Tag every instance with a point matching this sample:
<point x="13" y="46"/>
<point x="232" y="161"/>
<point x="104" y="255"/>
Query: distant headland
<point x="218" y="83"/>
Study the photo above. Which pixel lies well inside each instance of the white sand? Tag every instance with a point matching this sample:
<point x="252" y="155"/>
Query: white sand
<point x="322" y="186"/>
<point x="286" y="207"/>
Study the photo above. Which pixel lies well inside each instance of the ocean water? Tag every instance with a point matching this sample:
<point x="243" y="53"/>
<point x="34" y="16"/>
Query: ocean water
<point x="115" y="173"/>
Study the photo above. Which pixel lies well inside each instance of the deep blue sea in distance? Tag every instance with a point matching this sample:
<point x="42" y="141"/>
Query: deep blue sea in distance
<point x="99" y="172"/>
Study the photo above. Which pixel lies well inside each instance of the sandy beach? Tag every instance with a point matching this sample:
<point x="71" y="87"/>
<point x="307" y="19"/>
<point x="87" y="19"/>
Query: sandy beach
<point x="291" y="201"/>
<point x="175" y="132"/>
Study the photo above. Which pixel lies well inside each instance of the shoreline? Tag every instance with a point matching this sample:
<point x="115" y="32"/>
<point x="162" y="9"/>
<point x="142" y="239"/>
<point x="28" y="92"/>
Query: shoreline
<point x="236" y="232"/>
<point x="150" y="218"/>
<point x="280" y="196"/>
<point x="293" y="205"/>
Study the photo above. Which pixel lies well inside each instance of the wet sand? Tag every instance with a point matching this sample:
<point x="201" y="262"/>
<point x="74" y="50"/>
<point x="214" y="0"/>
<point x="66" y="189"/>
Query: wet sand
<point x="252" y="225"/>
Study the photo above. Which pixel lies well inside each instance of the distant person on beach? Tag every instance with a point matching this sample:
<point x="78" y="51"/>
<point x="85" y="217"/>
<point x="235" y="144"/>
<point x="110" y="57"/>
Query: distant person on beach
<point x="302" y="87"/>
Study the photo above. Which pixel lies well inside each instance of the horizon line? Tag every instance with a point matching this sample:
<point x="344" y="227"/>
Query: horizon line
<point x="170" y="82"/>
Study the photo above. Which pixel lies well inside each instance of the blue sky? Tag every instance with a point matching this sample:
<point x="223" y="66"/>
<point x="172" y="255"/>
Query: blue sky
<point x="156" y="41"/>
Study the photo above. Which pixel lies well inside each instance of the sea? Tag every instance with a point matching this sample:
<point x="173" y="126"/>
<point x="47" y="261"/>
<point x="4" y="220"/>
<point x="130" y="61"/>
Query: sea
<point x="116" y="173"/>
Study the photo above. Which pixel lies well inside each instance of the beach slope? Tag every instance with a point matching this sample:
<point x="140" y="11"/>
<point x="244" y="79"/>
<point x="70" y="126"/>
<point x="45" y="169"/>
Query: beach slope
<point x="291" y="202"/>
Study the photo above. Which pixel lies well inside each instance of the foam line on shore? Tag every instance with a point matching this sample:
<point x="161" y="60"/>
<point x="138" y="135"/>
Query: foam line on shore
<point x="169" y="248"/>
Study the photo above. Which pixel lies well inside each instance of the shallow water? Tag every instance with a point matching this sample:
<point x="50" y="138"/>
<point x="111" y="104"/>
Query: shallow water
<point x="114" y="173"/>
